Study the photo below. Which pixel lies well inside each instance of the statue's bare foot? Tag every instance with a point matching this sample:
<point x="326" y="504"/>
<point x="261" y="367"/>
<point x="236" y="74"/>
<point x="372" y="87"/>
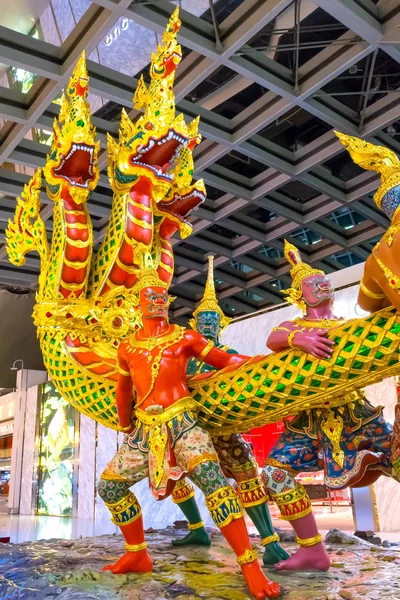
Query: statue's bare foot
<point x="274" y="553"/>
<point x="260" y="587"/>
<point x="132" y="562"/>
<point x="197" y="537"/>
<point x="314" y="558"/>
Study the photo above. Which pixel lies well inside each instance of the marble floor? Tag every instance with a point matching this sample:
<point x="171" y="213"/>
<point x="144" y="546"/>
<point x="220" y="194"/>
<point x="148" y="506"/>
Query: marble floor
<point x="24" y="528"/>
<point x="72" y="570"/>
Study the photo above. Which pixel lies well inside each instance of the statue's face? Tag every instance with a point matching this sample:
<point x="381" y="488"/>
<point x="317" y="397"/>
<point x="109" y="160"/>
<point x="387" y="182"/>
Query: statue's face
<point x="208" y="323"/>
<point x="153" y="302"/>
<point x="317" y="289"/>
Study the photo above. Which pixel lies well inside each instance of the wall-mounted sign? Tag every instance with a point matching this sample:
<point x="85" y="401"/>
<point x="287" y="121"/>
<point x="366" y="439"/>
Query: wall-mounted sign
<point x="116" y="32"/>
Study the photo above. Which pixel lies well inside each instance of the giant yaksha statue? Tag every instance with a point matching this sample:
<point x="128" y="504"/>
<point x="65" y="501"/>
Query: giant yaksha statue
<point x="350" y="442"/>
<point x="166" y="441"/>
<point x="380" y="284"/>
<point x="87" y="304"/>
<point x="235" y="455"/>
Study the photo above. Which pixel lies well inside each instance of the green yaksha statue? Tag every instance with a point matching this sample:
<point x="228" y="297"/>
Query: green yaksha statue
<point x="235" y="455"/>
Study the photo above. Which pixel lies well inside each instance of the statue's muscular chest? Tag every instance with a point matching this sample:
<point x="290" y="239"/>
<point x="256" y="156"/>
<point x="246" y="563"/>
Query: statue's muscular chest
<point x="169" y="361"/>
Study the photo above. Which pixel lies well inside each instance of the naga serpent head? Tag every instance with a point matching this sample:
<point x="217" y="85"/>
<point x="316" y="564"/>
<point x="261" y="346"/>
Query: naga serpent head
<point x="183" y="196"/>
<point x="72" y="162"/>
<point x="149" y="146"/>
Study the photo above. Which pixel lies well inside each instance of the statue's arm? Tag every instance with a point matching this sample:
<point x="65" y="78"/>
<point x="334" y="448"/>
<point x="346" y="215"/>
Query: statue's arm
<point x="205" y="351"/>
<point x="278" y="338"/>
<point x="370" y="296"/>
<point x="290" y="335"/>
<point x="124" y="391"/>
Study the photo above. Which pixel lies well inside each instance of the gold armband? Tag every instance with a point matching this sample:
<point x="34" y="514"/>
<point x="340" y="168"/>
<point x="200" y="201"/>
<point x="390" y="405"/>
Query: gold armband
<point x="370" y="294"/>
<point x="248" y="557"/>
<point x="206" y="350"/>
<point x="280" y="328"/>
<point x="135" y="547"/>
<point x="270" y="539"/>
<point x="193" y="526"/>
<point x="123" y="372"/>
<point x="290" y="339"/>
<point x="309" y="541"/>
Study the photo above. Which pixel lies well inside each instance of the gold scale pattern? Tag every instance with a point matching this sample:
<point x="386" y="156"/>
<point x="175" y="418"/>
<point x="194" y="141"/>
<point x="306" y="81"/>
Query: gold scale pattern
<point x="269" y="389"/>
<point x="279" y="385"/>
<point x="112" y="242"/>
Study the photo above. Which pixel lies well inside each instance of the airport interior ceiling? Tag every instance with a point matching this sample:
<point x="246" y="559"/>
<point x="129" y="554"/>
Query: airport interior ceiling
<point x="271" y="81"/>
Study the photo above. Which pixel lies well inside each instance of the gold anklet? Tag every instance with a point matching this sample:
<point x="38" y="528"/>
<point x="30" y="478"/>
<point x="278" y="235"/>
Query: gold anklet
<point x="193" y="526"/>
<point x="135" y="547"/>
<point x="248" y="557"/>
<point x="270" y="539"/>
<point x="309" y="541"/>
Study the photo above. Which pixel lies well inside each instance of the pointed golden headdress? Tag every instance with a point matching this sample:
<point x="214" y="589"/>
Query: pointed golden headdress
<point x="209" y="300"/>
<point x="299" y="271"/>
<point x="148" y="275"/>
<point x="374" y="158"/>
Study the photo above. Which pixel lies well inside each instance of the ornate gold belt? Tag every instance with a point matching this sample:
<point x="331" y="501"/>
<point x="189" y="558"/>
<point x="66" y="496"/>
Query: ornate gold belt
<point x="157" y="415"/>
<point x="155" y="419"/>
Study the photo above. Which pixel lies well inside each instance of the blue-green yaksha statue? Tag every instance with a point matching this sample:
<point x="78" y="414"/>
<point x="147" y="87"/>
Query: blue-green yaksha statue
<point x="235" y="455"/>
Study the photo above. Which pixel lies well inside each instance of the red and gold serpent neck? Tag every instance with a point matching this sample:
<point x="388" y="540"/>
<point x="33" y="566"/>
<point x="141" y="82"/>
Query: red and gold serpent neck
<point x="166" y="262"/>
<point x="78" y="248"/>
<point x="138" y="235"/>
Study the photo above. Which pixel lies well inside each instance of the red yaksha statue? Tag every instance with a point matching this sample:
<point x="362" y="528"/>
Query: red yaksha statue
<point x="351" y="442"/>
<point x="164" y="441"/>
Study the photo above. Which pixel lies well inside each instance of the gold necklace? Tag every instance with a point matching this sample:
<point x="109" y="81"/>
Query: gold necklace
<point x="318" y="323"/>
<point x="162" y="343"/>
<point x="151" y="342"/>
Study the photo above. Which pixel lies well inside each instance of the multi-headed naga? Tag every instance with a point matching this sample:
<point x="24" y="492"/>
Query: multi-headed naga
<point x="86" y="304"/>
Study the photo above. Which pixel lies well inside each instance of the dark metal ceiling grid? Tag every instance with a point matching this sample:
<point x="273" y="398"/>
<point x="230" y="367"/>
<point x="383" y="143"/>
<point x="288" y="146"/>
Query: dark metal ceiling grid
<point x="270" y="79"/>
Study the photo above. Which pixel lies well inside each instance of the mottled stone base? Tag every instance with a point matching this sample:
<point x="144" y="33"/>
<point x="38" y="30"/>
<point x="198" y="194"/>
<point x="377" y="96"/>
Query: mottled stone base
<point x="71" y="570"/>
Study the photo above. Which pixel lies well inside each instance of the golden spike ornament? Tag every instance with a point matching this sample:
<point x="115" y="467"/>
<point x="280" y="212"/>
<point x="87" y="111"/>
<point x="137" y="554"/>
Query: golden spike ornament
<point x="299" y="270"/>
<point x="158" y="100"/>
<point x="209" y="300"/>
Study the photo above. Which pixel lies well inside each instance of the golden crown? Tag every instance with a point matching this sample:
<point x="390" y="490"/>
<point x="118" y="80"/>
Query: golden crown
<point x="299" y="271"/>
<point x="374" y="158"/>
<point x="209" y="300"/>
<point x="148" y="275"/>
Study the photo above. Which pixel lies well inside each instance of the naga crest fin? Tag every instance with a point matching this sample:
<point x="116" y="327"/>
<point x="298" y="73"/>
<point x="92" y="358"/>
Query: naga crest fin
<point x="374" y="158"/>
<point x="27" y="231"/>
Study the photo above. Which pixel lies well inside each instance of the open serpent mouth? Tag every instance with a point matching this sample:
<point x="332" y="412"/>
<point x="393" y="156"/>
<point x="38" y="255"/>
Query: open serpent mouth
<point x="77" y="166"/>
<point x="159" y="154"/>
<point x="182" y="206"/>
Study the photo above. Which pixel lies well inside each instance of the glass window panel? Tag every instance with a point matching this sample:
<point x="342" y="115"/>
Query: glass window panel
<point x="64" y="17"/>
<point x="56" y="453"/>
